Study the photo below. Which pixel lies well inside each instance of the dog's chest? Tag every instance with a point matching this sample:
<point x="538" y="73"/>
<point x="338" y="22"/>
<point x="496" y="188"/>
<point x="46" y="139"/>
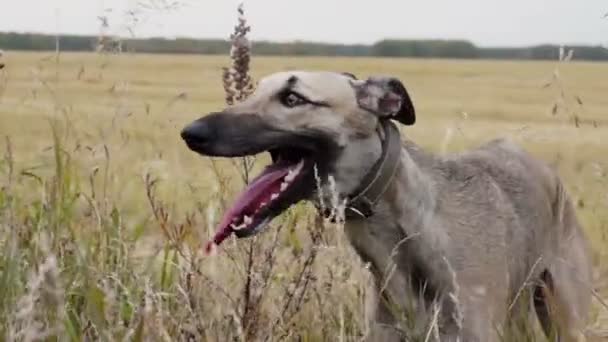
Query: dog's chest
<point x="378" y="245"/>
<point x="372" y="243"/>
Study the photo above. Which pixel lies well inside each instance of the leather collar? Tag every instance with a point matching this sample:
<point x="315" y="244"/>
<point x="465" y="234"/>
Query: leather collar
<point x="361" y="202"/>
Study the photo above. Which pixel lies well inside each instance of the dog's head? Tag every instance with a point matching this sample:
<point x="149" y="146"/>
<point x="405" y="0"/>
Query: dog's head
<point x="313" y="124"/>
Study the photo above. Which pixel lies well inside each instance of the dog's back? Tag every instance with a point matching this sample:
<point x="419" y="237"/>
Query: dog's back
<point x="512" y="232"/>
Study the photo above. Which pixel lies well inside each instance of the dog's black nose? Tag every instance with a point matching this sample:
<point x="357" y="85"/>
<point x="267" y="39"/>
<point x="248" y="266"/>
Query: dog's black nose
<point x="198" y="131"/>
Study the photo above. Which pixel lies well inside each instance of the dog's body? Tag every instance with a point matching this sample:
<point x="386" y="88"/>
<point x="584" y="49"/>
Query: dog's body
<point x="482" y="231"/>
<point x="463" y="243"/>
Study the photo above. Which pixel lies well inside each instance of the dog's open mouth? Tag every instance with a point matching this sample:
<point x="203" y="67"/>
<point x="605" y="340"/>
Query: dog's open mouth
<point x="281" y="184"/>
<point x="297" y="158"/>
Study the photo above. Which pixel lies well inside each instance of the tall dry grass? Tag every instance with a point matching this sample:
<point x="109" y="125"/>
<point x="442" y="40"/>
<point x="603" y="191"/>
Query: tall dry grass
<point x="104" y="213"/>
<point x="75" y="265"/>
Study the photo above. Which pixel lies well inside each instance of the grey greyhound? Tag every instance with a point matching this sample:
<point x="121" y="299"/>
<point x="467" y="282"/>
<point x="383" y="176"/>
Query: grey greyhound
<point x="467" y="243"/>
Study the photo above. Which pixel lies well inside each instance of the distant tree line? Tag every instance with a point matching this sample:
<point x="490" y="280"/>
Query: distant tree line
<point x="383" y="48"/>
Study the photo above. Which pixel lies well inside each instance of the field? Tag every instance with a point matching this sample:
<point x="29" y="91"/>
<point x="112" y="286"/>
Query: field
<point x="103" y="209"/>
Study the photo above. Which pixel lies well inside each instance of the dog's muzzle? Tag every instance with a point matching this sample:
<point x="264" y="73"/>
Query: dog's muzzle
<point x="198" y="132"/>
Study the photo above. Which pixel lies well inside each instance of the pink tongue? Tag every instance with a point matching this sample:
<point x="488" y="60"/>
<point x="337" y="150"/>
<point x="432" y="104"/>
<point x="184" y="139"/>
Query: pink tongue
<point x="247" y="201"/>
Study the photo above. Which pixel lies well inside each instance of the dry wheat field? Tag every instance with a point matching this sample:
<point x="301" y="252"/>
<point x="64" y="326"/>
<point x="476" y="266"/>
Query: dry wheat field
<point x="103" y="209"/>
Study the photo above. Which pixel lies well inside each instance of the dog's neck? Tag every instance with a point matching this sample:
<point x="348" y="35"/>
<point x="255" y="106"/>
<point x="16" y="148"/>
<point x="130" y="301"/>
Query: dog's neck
<point x="373" y="185"/>
<point x="411" y="196"/>
<point x="399" y="169"/>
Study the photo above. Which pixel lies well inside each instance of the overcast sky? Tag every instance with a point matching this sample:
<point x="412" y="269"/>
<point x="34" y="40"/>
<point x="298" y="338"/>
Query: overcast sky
<point x="485" y="22"/>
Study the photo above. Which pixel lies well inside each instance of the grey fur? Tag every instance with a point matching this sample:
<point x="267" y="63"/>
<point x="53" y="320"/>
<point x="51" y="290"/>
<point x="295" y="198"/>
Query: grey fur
<point x="473" y="235"/>
<point x="488" y="225"/>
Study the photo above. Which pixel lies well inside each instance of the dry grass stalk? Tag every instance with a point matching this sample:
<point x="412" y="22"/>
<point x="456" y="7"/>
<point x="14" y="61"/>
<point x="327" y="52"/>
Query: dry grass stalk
<point x="3" y="78"/>
<point x="238" y="85"/>
<point x="107" y="43"/>
<point x="237" y="82"/>
<point x="572" y="106"/>
<point x="40" y="309"/>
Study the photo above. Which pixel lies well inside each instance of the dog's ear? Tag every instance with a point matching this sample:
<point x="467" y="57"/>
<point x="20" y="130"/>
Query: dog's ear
<point x="387" y="97"/>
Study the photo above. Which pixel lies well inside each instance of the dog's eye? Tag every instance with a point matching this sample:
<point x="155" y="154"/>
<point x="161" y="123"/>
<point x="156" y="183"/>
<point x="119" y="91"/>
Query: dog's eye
<point x="291" y="99"/>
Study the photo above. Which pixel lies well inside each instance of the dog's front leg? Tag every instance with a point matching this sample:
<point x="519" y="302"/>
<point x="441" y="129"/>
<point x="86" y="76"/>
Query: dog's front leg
<point x="384" y="333"/>
<point x="442" y="278"/>
<point x="384" y="326"/>
<point x="434" y="275"/>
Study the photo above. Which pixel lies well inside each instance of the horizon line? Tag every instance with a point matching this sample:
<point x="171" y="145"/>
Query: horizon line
<point x="298" y="40"/>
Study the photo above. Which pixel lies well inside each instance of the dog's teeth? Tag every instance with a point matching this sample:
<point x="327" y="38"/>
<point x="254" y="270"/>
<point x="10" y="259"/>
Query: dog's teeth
<point x="239" y="227"/>
<point x="299" y="166"/>
<point x="274" y="197"/>
<point x="291" y="175"/>
<point x="247" y="220"/>
<point x="263" y="204"/>
<point x="284" y="186"/>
